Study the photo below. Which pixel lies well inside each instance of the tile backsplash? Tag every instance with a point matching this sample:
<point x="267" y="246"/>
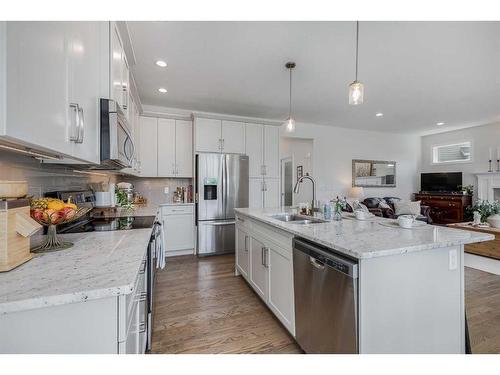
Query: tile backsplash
<point x="49" y="177"/>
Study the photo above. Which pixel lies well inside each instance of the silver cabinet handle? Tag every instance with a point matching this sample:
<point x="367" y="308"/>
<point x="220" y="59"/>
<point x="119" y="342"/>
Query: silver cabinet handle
<point x="262" y="256"/>
<point x="74" y="136"/>
<point x="81" y="131"/>
<point x="142" y="327"/>
<point x="264" y="252"/>
<point x="222" y="143"/>
<point x="246" y="244"/>
<point x="125" y="101"/>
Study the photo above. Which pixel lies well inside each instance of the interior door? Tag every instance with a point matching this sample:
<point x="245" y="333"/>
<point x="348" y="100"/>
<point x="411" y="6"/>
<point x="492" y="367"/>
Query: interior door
<point x="210" y="187"/>
<point x="235" y="183"/>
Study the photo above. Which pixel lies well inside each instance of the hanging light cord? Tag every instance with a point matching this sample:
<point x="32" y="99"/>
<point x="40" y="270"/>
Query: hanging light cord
<point x="357" y="42"/>
<point x="290" y="99"/>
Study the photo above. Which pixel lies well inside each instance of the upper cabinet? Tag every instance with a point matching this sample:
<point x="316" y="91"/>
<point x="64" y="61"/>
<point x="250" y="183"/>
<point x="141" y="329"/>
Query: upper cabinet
<point x="54" y="108"/>
<point x="271" y="152"/>
<point x="254" y="145"/>
<point x="166" y="147"/>
<point x="214" y="135"/>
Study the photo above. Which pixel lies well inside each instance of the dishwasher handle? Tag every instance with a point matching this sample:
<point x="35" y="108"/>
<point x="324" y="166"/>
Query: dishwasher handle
<point x="321" y="257"/>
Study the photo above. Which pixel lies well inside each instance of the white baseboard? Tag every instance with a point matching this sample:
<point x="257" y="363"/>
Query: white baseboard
<point x="482" y="263"/>
<point x="174" y="253"/>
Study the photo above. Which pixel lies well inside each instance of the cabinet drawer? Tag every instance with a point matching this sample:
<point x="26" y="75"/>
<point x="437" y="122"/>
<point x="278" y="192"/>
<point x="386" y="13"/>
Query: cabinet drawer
<point x="177" y="210"/>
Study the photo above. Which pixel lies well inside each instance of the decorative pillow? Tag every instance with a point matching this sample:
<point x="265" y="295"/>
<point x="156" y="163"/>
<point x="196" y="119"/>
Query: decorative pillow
<point x="407" y="208"/>
<point x="383" y="204"/>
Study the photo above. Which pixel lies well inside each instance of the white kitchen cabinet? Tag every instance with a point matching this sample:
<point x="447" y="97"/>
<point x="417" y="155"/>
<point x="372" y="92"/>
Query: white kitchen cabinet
<point x="259" y="274"/>
<point x="271" y="151"/>
<point x="166" y="147"/>
<point x="117" y="66"/>
<point x="149" y="147"/>
<point x="254" y="148"/>
<point x="242" y="250"/>
<point x="271" y="192"/>
<point x="184" y="148"/>
<point x="255" y="193"/>
<point x="233" y="137"/>
<point x="207" y="135"/>
<point x="280" y="299"/>
<point x="179" y="229"/>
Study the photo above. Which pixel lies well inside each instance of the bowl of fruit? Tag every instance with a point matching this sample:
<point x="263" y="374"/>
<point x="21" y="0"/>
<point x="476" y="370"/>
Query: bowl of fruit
<point x="51" y="212"/>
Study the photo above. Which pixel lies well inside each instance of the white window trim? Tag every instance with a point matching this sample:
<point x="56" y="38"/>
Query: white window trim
<point x="471" y="160"/>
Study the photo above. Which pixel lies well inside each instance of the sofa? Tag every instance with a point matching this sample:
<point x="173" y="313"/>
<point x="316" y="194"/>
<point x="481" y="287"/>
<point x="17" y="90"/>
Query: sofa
<point x="373" y="205"/>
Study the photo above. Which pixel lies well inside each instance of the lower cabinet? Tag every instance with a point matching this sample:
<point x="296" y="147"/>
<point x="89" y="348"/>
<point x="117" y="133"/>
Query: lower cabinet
<point x="264" y="259"/>
<point x="179" y="229"/>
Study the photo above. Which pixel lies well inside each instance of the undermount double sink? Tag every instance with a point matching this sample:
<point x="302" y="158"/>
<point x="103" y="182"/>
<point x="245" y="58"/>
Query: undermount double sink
<point x="297" y="219"/>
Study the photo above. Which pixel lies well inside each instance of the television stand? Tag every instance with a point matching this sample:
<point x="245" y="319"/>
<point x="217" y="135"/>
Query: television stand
<point x="446" y="208"/>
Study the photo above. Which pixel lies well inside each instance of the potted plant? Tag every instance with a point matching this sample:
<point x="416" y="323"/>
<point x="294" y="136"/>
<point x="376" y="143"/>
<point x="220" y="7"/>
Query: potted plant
<point x="467" y="189"/>
<point x="489" y="212"/>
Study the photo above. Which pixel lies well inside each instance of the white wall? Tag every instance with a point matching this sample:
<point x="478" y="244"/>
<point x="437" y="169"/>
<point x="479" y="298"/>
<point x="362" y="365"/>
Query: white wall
<point x="334" y="148"/>
<point x="301" y="151"/>
<point x="482" y="138"/>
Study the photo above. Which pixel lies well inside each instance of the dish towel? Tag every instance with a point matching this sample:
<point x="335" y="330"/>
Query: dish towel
<point x="161" y="259"/>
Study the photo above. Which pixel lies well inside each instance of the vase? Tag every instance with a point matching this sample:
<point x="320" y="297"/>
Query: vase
<point x="494" y="220"/>
<point x="337" y="215"/>
<point x="51" y="242"/>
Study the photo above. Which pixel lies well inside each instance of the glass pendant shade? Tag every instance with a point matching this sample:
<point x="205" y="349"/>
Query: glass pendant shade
<point x="356" y="93"/>
<point x="290" y="125"/>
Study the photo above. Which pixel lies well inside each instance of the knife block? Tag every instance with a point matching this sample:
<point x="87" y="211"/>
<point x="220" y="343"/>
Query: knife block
<point x="16" y="227"/>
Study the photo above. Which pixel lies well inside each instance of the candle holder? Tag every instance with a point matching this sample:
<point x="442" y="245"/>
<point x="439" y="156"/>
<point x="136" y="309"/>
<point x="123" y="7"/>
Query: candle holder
<point x="489" y="169"/>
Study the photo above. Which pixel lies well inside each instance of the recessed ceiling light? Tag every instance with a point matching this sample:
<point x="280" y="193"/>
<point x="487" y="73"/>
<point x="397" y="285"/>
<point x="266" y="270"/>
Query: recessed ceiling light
<point x="162" y="90"/>
<point x="161" y="63"/>
<point x="380" y="114"/>
<point x="439" y="123"/>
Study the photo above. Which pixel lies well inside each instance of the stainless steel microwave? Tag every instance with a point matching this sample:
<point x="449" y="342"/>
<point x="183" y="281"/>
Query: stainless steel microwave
<point x="117" y="145"/>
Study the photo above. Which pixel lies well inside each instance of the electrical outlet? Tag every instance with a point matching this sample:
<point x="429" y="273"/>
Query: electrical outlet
<point x="452" y="259"/>
<point x="166" y="190"/>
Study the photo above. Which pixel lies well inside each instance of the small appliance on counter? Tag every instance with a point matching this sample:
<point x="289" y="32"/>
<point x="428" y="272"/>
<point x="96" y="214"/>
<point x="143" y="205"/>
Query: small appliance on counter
<point x="16" y="225"/>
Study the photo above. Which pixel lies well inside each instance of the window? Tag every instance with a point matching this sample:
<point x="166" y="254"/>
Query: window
<point x="454" y="153"/>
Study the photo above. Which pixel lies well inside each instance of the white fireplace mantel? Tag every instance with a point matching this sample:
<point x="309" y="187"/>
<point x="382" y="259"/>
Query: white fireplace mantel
<point x="487" y="182"/>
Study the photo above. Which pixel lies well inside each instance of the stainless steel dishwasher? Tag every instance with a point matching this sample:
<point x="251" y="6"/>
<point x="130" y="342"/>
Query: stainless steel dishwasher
<point x="326" y="299"/>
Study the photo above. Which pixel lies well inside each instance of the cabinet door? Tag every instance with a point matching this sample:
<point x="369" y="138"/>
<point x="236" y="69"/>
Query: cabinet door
<point x="184" y="148"/>
<point x="179" y="232"/>
<point x="255" y="193"/>
<point x="166" y="147"/>
<point x="148" y="147"/>
<point x="116" y="65"/>
<point x="87" y="83"/>
<point x="38" y="111"/>
<point x="254" y="139"/>
<point x="272" y="193"/>
<point x="233" y="137"/>
<point x="271" y="151"/>
<point x="125" y="87"/>
<point x="242" y="250"/>
<point x="208" y="135"/>
<point x="281" y="299"/>
<point x="258" y="268"/>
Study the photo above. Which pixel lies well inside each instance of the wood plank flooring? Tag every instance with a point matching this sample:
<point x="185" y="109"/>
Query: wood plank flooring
<point x="482" y="303"/>
<point x="202" y="308"/>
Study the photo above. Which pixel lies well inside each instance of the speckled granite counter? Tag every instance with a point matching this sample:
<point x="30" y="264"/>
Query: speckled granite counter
<point x="369" y="239"/>
<point x="100" y="264"/>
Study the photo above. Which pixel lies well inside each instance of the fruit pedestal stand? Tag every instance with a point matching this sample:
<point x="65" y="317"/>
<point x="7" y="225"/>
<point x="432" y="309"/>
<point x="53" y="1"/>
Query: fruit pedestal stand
<point x="51" y="220"/>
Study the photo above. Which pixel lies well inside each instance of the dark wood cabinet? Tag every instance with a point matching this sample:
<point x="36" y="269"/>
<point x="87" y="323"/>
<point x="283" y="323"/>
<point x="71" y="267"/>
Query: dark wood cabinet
<point x="446" y="208"/>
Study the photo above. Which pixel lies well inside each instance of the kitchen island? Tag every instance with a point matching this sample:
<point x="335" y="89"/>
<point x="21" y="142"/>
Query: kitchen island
<point x="408" y="288"/>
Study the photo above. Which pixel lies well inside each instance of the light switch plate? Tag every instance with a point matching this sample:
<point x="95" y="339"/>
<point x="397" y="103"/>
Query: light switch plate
<point x="166" y="190"/>
<point x="452" y="259"/>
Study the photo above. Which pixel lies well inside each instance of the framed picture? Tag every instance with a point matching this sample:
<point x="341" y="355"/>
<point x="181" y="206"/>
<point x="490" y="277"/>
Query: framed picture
<point x="300" y="171"/>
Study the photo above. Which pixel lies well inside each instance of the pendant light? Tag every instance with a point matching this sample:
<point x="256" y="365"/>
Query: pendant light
<point x="290" y="122"/>
<point x="356" y="88"/>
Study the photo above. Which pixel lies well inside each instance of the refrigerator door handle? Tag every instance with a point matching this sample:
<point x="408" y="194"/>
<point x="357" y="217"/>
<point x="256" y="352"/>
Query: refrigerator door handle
<point x="225" y="190"/>
<point x="222" y="223"/>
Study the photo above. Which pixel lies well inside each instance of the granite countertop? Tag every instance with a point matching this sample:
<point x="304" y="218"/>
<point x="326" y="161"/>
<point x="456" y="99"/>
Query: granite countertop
<point x="369" y="239"/>
<point x="99" y="265"/>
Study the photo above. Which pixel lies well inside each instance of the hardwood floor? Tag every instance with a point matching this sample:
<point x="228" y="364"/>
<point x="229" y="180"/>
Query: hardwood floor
<point x="482" y="303"/>
<point x="202" y="308"/>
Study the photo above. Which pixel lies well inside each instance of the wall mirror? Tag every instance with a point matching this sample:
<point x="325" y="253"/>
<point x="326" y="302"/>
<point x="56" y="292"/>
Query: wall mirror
<point x="373" y="173"/>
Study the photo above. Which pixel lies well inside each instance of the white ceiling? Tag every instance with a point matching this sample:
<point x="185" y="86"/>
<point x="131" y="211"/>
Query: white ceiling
<point x="416" y="73"/>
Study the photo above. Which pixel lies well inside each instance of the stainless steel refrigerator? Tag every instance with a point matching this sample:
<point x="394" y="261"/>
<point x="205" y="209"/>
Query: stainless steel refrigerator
<point x="221" y="186"/>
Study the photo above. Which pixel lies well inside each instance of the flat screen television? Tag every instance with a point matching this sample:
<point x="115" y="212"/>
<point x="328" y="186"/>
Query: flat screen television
<point x="441" y="182"/>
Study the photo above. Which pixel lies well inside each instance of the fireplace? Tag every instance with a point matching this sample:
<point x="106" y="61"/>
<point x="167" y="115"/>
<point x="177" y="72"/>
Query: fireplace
<point x="488" y="186"/>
